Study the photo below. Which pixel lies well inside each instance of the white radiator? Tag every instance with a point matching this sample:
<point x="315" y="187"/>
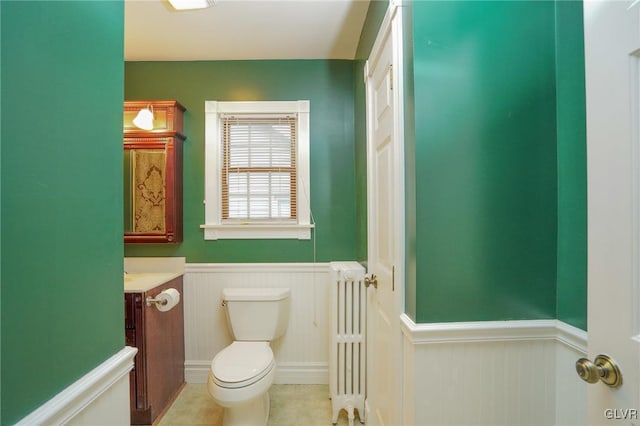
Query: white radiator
<point x="347" y="358"/>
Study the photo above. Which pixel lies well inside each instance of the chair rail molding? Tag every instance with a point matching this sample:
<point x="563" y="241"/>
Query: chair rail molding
<point x="488" y="331"/>
<point x="74" y="404"/>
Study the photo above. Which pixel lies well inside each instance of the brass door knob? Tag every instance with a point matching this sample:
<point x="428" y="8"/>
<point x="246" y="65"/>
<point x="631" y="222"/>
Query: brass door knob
<point x="602" y="368"/>
<point x="587" y="370"/>
<point x="373" y="280"/>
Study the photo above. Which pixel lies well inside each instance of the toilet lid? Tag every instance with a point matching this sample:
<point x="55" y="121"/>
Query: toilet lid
<point x="242" y="363"/>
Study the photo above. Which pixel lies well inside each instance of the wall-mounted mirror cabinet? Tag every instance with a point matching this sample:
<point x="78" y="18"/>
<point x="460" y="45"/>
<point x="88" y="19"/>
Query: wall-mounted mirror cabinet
<point x="153" y="173"/>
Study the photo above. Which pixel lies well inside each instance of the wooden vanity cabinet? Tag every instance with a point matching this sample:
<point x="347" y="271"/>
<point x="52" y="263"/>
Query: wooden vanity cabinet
<point x="158" y="373"/>
<point x="153" y="174"/>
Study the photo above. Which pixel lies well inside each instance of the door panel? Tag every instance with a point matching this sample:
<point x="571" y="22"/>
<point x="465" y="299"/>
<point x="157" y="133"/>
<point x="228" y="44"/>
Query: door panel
<point x="385" y="232"/>
<point x="612" y="43"/>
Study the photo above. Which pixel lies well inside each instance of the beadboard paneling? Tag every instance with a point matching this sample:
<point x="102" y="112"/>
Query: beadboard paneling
<point x="493" y="383"/>
<point x="493" y="373"/>
<point x="301" y="354"/>
<point x="571" y="391"/>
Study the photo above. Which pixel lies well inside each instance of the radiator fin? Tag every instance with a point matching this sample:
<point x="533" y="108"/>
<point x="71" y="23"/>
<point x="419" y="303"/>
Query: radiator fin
<point x="347" y="363"/>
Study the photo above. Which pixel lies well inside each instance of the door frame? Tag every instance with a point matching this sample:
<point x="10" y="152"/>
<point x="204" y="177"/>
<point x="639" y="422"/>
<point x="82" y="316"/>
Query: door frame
<point x="391" y="26"/>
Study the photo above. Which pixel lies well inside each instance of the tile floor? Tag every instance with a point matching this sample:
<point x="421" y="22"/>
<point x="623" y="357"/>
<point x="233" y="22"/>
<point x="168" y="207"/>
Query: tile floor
<point x="299" y="405"/>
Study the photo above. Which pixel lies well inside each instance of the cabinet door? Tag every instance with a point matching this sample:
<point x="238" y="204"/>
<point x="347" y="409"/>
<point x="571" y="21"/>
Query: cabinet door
<point x="152" y="190"/>
<point x="153" y="173"/>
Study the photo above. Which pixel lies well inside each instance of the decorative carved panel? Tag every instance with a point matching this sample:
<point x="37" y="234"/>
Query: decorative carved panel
<point x="153" y="174"/>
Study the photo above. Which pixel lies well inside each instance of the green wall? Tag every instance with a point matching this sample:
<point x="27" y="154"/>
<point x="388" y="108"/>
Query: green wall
<point x="494" y="141"/>
<point x="360" y="158"/>
<point x="485" y="154"/>
<point x="61" y="196"/>
<point x="572" y="163"/>
<point x="329" y="85"/>
<point x="0" y="217"/>
<point x="410" y="221"/>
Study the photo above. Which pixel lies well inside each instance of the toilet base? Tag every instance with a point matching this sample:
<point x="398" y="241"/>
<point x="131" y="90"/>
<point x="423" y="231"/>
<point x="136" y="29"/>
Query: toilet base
<point x="253" y="413"/>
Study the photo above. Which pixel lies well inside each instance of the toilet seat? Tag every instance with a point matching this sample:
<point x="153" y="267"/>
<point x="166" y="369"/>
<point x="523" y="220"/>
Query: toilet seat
<point x="241" y="364"/>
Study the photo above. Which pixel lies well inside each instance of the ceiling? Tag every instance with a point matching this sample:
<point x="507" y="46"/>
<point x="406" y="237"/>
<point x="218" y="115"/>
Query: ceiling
<point x="244" y="29"/>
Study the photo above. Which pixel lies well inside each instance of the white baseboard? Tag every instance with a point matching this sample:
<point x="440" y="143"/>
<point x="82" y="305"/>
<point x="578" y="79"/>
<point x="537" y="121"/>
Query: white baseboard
<point x="302" y="373"/>
<point x="288" y="373"/>
<point x="77" y="399"/>
<point x="196" y="371"/>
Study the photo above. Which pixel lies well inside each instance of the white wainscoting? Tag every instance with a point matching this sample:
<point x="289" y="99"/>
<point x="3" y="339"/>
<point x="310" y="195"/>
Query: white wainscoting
<point x="302" y="353"/>
<point x="99" y="398"/>
<point x="571" y="391"/>
<point x="492" y="373"/>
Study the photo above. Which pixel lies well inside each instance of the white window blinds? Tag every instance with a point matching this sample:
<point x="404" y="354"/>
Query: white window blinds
<point x="259" y="167"/>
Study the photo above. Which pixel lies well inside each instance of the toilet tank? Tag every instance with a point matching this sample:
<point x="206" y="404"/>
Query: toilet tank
<point x="257" y="314"/>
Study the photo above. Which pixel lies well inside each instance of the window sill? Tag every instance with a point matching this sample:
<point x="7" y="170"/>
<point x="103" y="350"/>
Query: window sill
<point x="257" y="231"/>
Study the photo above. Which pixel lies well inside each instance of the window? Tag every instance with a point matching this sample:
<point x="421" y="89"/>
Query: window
<point x="258" y="167"/>
<point x="257" y="170"/>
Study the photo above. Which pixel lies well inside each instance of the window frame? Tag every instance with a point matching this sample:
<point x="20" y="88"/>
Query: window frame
<point x="214" y="227"/>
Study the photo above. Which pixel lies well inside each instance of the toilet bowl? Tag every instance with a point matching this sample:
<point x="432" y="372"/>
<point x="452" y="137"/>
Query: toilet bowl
<point x="240" y="377"/>
<point x="242" y="373"/>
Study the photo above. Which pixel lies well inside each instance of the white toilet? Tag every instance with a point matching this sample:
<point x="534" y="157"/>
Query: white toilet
<point x="242" y="373"/>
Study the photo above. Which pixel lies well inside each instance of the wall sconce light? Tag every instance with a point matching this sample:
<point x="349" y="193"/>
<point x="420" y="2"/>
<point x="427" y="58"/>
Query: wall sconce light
<point x="144" y="119"/>
<point x="191" y="4"/>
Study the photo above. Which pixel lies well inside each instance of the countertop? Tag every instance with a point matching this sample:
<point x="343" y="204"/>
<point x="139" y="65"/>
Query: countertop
<point x="145" y="273"/>
<point x="145" y="281"/>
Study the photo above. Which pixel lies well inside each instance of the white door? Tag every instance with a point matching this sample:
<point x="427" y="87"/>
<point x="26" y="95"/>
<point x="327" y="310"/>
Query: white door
<point x="385" y="226"/>
<point x="612" y="60"/>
